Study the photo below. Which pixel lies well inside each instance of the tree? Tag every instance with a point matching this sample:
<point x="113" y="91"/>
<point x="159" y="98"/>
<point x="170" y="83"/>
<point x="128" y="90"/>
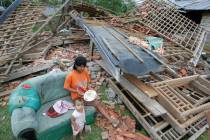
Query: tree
<point x="118" y="6"/>
<point x="6" y="3"/>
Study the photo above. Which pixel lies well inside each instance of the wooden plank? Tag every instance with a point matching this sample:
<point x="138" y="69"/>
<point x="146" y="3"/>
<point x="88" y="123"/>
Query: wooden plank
<point x="174" y="123"/>
<point x="148" y="90"/>
<point x="175" y="54"/>
<point x="202" y="101"/>
<point x="178" y="81"/>
<point x="28" y="71"/>
<point x="198" y="109"/>
<point x="170" y="108"/>
<point x="199" y="132"/>
<point x="24" y="51"/>
<point x="5" y="93"/>
<point x="152" y="105"/>
<point x="157" y="128"/>
<point x="193" y="119"/>
<point x="203" y="81"/>
<point x="91" y="49"/>
<point x="134" y="111"/>
<point x="45" y="51"/>
<point x="16" y="66"/>
<point x="32" y="56"/>
<point x="187" y="95"/>
<point x="33" y="36"/>
<point x="201" y="87"/>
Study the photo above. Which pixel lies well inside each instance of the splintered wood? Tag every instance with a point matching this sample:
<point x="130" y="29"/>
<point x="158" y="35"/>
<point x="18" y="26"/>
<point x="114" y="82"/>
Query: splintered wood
<point x="18" y="27"/>
<point x="162" y="17"/>
<point x="178" y="113"/>
<point x="25" y="45"/>
<point x="175" y="55"/>
<point x="147" y="89"/>
<point x="183" y="99"/>
<point x="14" y="32"/>
<point x="158" y="127"/>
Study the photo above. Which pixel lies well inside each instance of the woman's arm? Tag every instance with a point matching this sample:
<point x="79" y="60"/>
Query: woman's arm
<point x="75" y="91"/>
<point x="72" y="90"/>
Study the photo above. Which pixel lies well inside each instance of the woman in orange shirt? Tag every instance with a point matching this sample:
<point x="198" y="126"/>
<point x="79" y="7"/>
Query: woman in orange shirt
<point x="77" y="83"/>
<point x="78" y="80"/>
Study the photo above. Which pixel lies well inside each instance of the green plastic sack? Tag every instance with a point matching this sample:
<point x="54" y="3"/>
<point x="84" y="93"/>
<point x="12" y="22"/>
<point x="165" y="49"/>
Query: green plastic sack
<point x="24" y="96"/>
<point x="154" y="42"/>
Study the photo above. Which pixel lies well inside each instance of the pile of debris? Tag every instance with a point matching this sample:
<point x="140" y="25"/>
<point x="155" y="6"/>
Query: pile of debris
<point x="171" y="106"/>
<point x="165" y="19"/>
<point x="163" y="90"/>
<point x="183" y="39"/>
<point x="125" y="130"/>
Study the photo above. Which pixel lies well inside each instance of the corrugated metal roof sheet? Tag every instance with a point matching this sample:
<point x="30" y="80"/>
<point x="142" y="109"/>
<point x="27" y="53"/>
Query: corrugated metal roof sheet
<point x="139" y="1"/>
<point x="188" y="4"/>
<point x="2" y="8"/>
<point x="193" y="4"/>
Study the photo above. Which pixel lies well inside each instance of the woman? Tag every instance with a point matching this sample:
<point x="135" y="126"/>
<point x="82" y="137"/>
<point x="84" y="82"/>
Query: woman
<point x="78" y="80"/>
<point x="77" y="83"/>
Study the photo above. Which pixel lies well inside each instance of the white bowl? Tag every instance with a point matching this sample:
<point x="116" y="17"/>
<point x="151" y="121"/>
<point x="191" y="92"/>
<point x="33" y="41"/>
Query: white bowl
<point x="90" y="95"/>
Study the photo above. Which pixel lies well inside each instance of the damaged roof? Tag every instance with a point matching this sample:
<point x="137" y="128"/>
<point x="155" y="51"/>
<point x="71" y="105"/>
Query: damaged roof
<point x="188" y="4"/>
<point x="193" y="4"/>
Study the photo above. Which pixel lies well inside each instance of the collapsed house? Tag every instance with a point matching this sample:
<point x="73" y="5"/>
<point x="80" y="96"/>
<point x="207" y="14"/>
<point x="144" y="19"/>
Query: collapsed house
<point x="198" y="11"/>
<point x="166" y="99"/>
<point x="166" y="104"/>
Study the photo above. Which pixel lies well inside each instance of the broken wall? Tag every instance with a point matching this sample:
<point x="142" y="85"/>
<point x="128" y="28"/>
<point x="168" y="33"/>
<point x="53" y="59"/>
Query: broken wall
<point x="205" y="23"/>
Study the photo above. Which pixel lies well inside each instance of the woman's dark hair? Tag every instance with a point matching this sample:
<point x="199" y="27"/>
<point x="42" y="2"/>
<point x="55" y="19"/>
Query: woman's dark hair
<point x="80" y="61"/>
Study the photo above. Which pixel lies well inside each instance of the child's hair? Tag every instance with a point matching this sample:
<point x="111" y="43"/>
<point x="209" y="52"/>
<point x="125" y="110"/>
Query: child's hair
<point x="79" y="103"/>
<point x="80" y="61"/>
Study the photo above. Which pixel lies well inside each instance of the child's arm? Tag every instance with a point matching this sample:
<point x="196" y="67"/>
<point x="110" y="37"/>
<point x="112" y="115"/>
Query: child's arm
<point x="74" y="124"/>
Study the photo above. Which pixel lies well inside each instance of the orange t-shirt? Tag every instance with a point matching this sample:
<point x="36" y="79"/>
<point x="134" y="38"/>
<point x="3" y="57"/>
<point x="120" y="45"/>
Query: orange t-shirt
<point x="77" y="81"/>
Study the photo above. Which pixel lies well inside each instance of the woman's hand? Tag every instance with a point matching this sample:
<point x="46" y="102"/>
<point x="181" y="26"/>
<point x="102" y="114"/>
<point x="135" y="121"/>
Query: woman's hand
<point x="80" y="93"/>
<point x="91" y="87"/>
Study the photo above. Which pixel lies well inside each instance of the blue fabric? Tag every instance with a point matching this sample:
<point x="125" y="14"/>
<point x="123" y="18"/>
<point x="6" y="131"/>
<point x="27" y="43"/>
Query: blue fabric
<point x="50" y="86"/>
<point x="23" y="118"/>
<point x="22" y="97"/>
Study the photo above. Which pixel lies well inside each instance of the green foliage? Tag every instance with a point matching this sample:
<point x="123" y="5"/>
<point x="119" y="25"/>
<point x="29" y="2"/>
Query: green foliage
<point x="95" y="134"/>
<point x="5" y="127"/>
<point x="102" y="91"/>
<point x="6" y="3"/>
<point x="204" y="136"/>
<point x="53" y="2"/>
<point x="49" y="2"/>
<point x="118" y="6"/>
